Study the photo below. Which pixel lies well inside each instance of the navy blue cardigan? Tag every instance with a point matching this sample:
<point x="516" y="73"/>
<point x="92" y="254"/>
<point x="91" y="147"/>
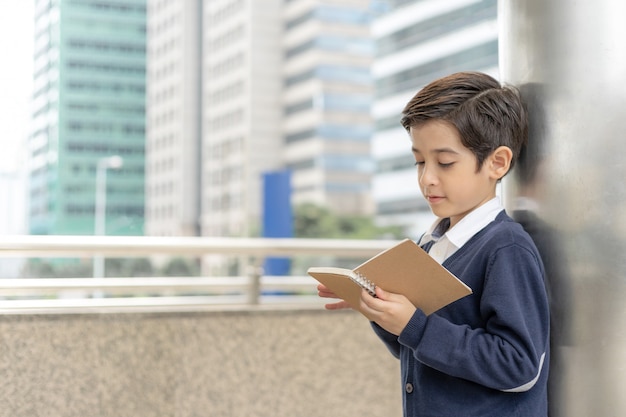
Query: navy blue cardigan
<point x="486" y="354"/>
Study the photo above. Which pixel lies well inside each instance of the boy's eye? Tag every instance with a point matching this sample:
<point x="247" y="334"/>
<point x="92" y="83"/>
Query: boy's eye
<point x="441" y="164"/>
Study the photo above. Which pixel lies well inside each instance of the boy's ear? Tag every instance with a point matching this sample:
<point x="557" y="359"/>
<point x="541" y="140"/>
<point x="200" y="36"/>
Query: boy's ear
<point x="499" y="162"/>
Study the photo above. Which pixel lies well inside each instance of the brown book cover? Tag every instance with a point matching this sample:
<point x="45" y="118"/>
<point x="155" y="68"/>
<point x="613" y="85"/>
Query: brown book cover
<point x="402" y="269"/>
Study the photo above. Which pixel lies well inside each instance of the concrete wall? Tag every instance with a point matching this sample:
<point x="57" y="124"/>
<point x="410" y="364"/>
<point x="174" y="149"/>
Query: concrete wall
<point x="218" y="364"/>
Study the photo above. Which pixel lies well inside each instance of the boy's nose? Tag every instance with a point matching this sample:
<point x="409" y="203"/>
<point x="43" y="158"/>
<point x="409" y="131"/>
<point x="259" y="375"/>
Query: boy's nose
<point x="427" y="176"/>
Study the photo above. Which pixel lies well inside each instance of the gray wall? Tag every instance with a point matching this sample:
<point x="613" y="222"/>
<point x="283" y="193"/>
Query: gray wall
<point x="569" y="60"/>
<point x="230" y="364"/>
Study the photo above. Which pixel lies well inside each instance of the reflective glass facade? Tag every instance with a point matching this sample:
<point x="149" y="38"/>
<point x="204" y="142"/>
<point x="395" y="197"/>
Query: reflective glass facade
<point x="328" y="98"/>
<point x="88" y="104"/>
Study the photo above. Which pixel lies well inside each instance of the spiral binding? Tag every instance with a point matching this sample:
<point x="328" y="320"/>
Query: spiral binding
<point x="365" y="283"/>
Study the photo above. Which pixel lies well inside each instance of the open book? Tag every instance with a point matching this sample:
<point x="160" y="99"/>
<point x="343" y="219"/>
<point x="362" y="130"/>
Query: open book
<point x="402" y="269"/>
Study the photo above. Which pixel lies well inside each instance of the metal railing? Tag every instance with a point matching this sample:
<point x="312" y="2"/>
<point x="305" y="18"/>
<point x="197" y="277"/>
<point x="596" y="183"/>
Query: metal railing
<point x="252" y="290"/>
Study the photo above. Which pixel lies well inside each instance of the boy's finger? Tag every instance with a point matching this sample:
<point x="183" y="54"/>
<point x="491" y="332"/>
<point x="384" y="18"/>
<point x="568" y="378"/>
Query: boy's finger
<point x="382" y="294"/>
<point x="337" y="306"/>
<point x="371" y="302"/>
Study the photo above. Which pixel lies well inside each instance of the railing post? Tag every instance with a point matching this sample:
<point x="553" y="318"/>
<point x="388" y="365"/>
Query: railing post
<point x="254" y="289"/>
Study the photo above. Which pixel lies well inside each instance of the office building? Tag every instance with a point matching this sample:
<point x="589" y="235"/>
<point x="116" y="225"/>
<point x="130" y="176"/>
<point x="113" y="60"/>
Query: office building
<point x="173" y="123"/>
<point x="417" y="42"/>
<point x="327" y="98"/>
<point x="241" y="112"/>
<point x="88" y="105"/>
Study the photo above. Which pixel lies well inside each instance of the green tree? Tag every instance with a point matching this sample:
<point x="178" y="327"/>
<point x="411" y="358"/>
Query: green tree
<point x="57" y="268"/>
<point x="73" y="269"/>
<point x="38" y="268"/>
<point x="113" y="267"/>
<point x="179" y="267"/>
<point x="137" y="267"/>
<point x="312" y="221"/>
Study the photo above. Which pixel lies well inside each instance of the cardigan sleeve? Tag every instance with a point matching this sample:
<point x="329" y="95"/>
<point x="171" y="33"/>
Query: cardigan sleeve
<point x="507" y="351"/>
<point x="390" y="340"/>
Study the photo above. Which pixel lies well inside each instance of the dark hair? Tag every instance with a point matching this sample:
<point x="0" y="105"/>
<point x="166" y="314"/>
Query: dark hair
<point x="486" y="114"/>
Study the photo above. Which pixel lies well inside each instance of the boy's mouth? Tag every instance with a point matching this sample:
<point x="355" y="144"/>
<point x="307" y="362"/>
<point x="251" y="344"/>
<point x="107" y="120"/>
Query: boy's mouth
<point x="433" y="199"/>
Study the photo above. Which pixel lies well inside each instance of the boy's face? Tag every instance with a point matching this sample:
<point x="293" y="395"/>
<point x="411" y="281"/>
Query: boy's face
<point x="447" y="171"/>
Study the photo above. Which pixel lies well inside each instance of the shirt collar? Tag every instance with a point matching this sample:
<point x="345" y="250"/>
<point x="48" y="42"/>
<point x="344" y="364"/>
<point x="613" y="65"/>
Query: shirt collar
<point x="468" y="226"/>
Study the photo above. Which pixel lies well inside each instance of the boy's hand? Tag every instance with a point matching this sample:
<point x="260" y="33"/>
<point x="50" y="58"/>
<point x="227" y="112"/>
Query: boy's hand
<point x="390" y="311"/>
<point x="324" y="292"/>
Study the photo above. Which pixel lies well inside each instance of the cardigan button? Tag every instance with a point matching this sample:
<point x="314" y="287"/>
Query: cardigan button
<point x="408" y="388"/>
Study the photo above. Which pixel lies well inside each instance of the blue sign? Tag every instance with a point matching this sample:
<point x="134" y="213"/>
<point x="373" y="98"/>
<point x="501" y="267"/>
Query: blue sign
<point x="277" y="216"/>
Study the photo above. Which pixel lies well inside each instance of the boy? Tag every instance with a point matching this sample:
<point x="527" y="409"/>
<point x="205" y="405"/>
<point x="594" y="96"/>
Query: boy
<point x="486" y="354"/>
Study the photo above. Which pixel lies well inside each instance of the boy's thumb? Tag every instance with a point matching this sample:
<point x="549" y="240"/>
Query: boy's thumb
<point x="380" y="293"/>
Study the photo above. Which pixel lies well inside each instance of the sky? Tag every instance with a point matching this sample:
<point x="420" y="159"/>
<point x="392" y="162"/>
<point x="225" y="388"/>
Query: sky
<point x="16" y="46"/>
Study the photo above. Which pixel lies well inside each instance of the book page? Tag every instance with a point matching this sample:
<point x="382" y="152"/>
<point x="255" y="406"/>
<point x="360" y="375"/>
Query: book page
<point x="402" y="269"/>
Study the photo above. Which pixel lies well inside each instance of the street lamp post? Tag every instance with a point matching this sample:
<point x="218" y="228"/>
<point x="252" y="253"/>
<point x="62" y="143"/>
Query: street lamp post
<point x="104" y="164"/>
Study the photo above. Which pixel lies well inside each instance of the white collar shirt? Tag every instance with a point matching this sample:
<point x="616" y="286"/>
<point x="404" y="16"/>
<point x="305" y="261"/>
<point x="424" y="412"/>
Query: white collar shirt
<point x="453" y="239"/>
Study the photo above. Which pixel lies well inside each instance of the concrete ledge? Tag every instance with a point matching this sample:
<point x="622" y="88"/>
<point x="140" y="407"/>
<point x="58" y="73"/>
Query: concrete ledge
<point x="220" y="364"/>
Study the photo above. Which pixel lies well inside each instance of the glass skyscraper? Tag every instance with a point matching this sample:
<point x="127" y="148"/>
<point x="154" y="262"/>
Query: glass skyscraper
<point x="328" y="53"/>
<point x="88" y="104"/>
